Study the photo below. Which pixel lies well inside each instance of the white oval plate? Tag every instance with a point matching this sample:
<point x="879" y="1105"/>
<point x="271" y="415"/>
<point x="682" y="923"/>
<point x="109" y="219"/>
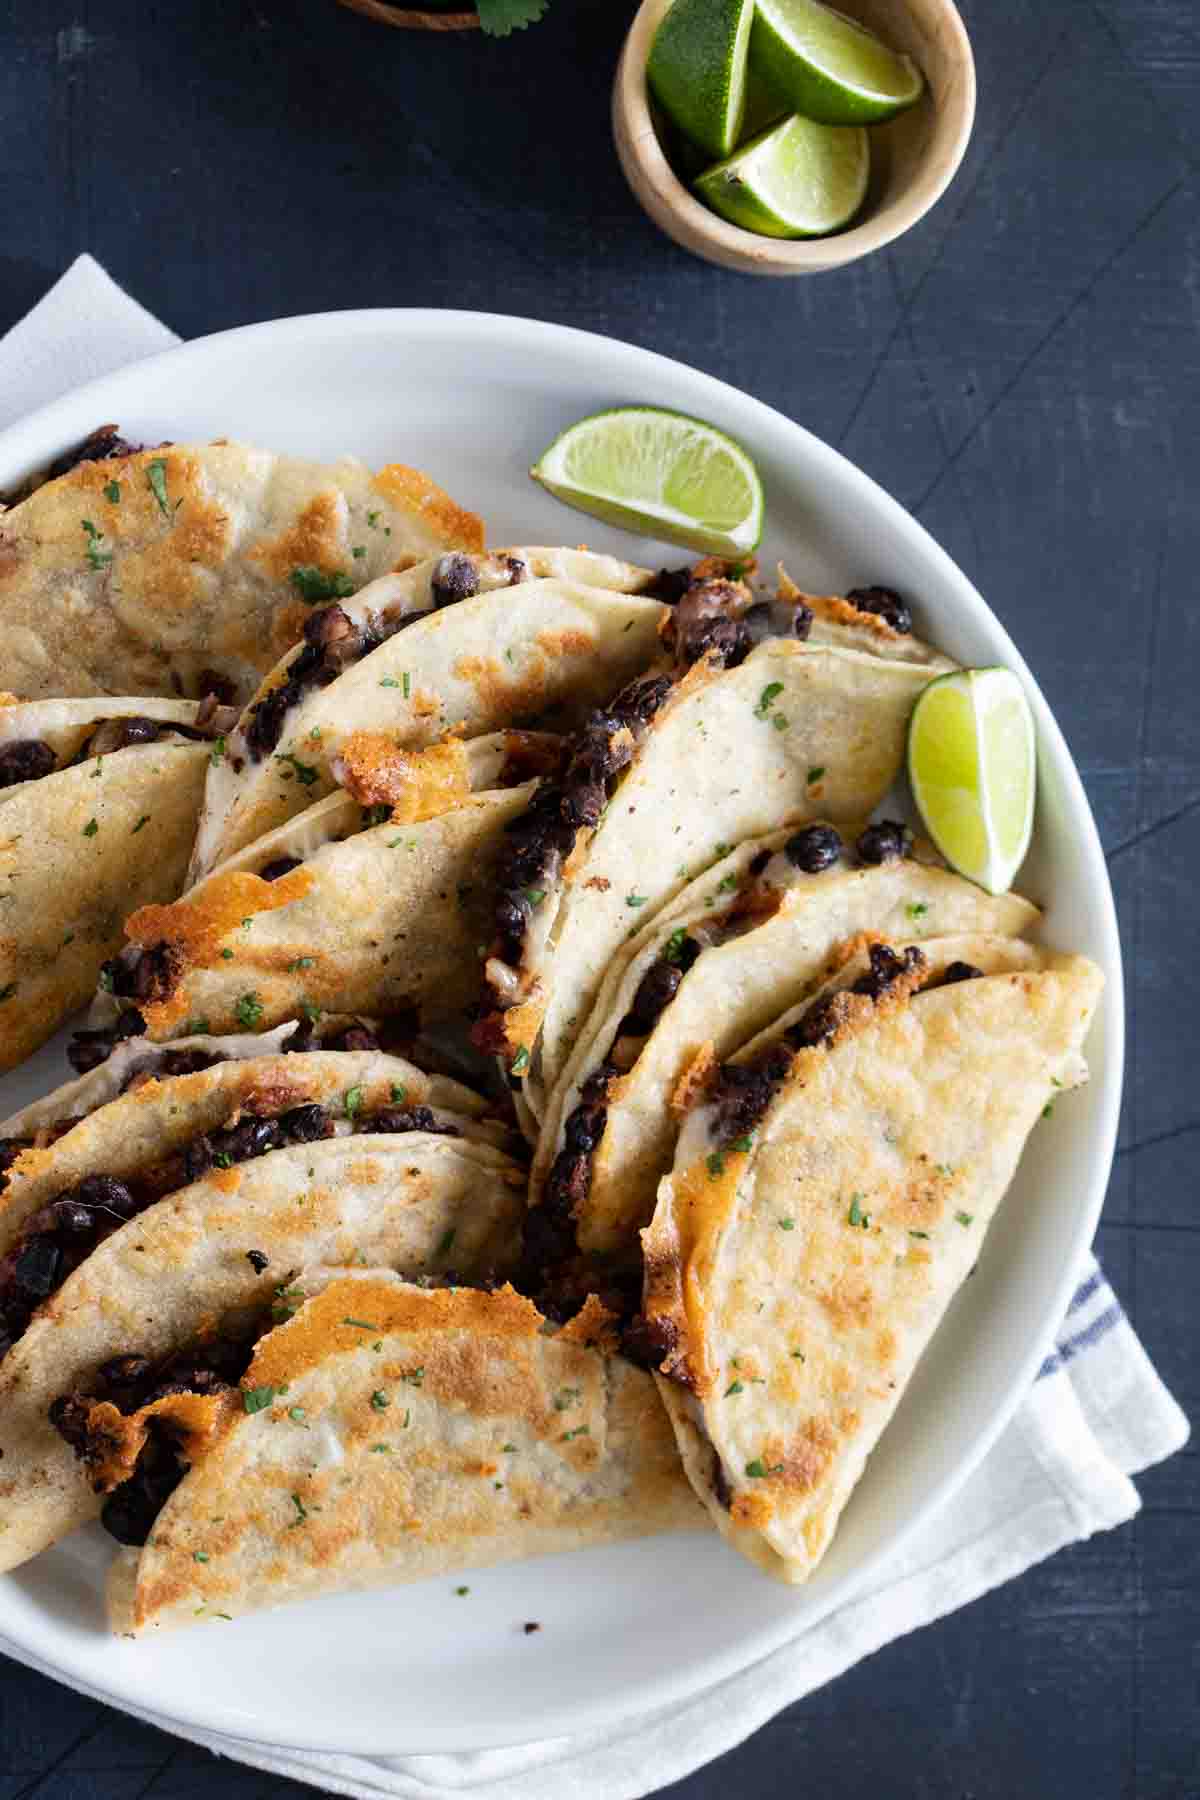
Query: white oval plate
<point x="474" y="399"/>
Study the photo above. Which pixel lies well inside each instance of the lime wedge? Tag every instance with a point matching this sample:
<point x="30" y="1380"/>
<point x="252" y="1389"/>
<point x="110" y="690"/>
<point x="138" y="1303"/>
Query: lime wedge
<point x="973" y="768"/>
<point x="795" y="180"/>
<point x="829" y="67"/>
<point x="661" y="474"/>
<point x="697" y="69"/>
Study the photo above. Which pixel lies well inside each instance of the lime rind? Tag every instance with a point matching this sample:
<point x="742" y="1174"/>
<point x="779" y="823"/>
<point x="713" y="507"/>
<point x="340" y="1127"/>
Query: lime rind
<point x="660" y="473"/>
<point x="796" y="179"/>
<point x="830" y="67"/>
<point x="696" y="69"/>
<point x="974" y="778"/>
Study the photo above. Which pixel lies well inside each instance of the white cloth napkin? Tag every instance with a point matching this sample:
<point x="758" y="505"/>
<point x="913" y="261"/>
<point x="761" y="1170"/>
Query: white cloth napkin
<point x="1096" y="1415"/>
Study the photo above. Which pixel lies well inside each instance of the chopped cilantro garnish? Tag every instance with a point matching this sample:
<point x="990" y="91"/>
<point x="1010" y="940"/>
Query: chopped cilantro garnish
<point x="781" y="721"/>
<point x="91" y="828"/>
<point x="579" y="1431"/>
<point x="297" y="1415"/>
<point x="97" y="557"/>
<point x="144" y="820"/>
<point x="249" y="1011"/>
<point x="299" y="962"/>
<point x="965" y="1218"/>
<point x="1048" y="1110"/>
<point x="306" y="773"/>
<point x="856" y="1215"/>
<point x="389" y="681"/>
<point x="112" y="492"/>
<point x="381" y="1449"/>
<point x="301" y="1511"/>
<point x="217" y="753"/>
<point x="462" y="1590"/>
<point x="399" y="1092"/>
<point x="787" y="1224"/>
<point x="314" y="584"/>
<point x="727" y="885"/>
<point x="416" y="1377"/>
<point x="757" y="1468"/>
<point x="735" y="1387"/>
<point x="520" y="1061"/>
<point x="353" y="1101"/>
<point x="505" y="1448"/>
<point x="673" y="949"/>
<point x="799" y="1355"/>
<point x="765" y="698"/>
<point x="535" y="896"/>
<point x="815" y="773"/>
<point x="360" y="1324"/>
<point x="200" y="1556"/>
<point x="156" y="480"/>
<point x="380" y="1401"/>
<point x="567" y="1397"/>
<point x="715" y="1164"/>
<point x="406" y="683"/>
<point x="912" y="1232"/>
<point x="372" y="518"/>
<point x="359" y="550"/>
<point x="256" y="1399"/>
<point x="635" y="899"/>
<point x="743" y="1143"/>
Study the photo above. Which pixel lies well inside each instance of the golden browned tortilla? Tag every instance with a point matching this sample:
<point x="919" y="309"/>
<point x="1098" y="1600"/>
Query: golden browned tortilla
<point x="854" y="1208"/>
<point x="82" y="847"/>
<point x="443" y="1429"/>
<point x="420" y="1200"/>
<point x="152" y="572"/>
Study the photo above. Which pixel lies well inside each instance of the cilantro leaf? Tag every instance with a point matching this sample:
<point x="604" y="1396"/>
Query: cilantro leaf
<point x="500" y="17"/>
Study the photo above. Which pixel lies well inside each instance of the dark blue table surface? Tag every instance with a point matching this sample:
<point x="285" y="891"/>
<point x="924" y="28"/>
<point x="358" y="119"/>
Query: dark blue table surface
<point x="1022" y="371"/>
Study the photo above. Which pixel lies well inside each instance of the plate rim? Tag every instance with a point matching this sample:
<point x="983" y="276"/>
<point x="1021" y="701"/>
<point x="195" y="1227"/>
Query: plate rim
<point x="701" y="1672"/>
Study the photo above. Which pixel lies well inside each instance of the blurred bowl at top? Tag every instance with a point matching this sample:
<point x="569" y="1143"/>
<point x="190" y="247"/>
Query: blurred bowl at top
<point x="913" y="156"/>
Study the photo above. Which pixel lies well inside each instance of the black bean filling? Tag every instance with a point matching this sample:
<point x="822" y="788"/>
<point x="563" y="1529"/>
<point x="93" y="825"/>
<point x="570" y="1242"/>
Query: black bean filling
<point x="712" y="620"/>
<point x="27" y="760"/>
<point x="743" y="1091"/>
<point x="99" y="446"/>
<point x="814" y="849"/>
<point x="332" y="641"/>
<point x="886" y="603"/>
<point x="881" y="843"/>
<point x="957" y="971"/>
<point x="88" y="1049"/>
<point x="30" y="759"/>
<point x="130" y="1382"/>
<point x="58" y="1237"/>
<point x="539" y="840"/>
<point x="279" y="867"/>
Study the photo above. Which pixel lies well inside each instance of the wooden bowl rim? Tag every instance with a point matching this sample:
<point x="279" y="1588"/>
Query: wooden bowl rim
<point x="410" y="19"/>
<point x="682" y="216"/>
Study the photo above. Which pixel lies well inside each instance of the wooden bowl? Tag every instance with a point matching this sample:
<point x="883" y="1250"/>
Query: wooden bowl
<point x="913" y="156"/>
<point x="408" y="20"/>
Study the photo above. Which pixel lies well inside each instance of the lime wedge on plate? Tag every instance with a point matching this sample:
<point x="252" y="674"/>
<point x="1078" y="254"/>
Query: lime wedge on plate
<point x="697" y="69"/>
<point x="972" y="763"/>
<point x="796" y="180"/>
<point x="661" y="474"/>
<point x="829" y="67"/>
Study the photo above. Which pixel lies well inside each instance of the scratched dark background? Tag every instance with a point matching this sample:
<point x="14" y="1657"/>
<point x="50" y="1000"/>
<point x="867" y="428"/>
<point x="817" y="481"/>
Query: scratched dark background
<point x="1022" y="371"/>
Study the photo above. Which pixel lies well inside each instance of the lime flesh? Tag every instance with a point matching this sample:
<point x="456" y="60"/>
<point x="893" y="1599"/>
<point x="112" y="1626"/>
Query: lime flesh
<point x="797" y="179"/>
<point x="829" y="67"/>
<point x="697" y="69"/>
<point x="661" y="474"/>
<point x="972" y="764"/>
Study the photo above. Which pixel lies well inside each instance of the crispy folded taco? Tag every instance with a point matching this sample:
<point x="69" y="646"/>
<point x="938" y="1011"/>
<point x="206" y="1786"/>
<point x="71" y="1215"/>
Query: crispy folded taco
<point x="347" y="908"/>
<point x="383" y="1434"/>
<point x="756" y="934"/>
<point x="157" y="1222"/>
<point x="439" y="647"/>
<point x="184" y="568"/>
<point x="846" y="1171"/>
<point x="98" y="807"/>
<point x="651" y="797"/>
